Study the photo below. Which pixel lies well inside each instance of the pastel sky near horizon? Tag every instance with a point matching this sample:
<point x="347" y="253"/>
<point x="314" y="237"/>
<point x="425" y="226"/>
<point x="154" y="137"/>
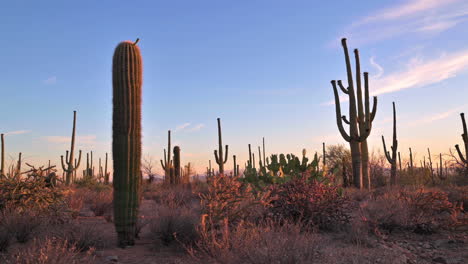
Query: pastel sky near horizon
<point x="263" y="66"/>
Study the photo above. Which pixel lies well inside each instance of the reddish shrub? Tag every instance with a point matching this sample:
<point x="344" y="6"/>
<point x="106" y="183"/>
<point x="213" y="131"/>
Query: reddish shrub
<point x="311" y="203"/>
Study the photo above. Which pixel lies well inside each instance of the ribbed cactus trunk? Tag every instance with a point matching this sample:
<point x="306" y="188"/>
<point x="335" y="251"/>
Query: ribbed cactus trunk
<point x="126" y="138"/>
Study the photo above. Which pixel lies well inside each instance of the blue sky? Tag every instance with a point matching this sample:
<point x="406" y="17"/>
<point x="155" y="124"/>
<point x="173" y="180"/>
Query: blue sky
<point x="264" y="67"/>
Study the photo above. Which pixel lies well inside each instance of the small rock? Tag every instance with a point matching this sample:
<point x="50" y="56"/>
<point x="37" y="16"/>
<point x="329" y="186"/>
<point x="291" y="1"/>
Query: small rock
<point x="440" y="260"/>
<point x="112" y="258"/>
<point x="426" y="246"/>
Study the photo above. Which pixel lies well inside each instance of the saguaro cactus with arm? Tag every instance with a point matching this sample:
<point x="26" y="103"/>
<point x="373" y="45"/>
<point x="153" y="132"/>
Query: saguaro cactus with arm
<point x="219" y="158"/>
<point x="360" y="118"/>
<point x="393" y="158"/>
<point x="167" y="164"/>
<point x="463" y="158"/>
<point x="126" y="138"/>
<point x="69" y="168"/>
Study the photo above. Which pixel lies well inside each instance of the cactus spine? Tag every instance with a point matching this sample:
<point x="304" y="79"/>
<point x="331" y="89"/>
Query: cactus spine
<point x="360" y="119"/>
<point x="219" y="159"/>
<point x="126" y="138"/>
<point x="463" y="158"/>
<point x="69" y="168"/>
<point x="393" y="158"/>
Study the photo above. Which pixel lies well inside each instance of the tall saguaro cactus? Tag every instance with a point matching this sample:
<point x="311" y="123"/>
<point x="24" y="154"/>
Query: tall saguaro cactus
<point x="176" y="176"/>
<point x="2" y="158"/>
<point x="219" y="158"/>
<point x="360" y="117"/>
<point x="167" y="164"/>
<point x="127" y="78"/>
<point x="464" y="158"/>
<point x="69" y="168"/>
<point x="393" y="158"/>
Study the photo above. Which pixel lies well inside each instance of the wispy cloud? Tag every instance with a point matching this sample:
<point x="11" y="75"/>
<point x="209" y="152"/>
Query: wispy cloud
<point x="379" y="68"/>
<point x="182" y="127"/>
<point x="418" y="73"/>
<point x="438" y="116"/>
<point x="50" y="80"/>
<point x="17" y="132"/>
<point x="413" y="16"/>
<point x="277" y="92"/>
<point x="188" y="127"/>
<point x="197" y="127"/>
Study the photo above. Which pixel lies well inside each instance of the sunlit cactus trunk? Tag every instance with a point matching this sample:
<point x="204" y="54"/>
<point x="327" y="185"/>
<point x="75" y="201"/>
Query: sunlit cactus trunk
<point x="126" y="138"/>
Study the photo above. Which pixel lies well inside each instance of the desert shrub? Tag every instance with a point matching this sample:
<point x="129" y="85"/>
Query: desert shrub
<point x="22" y="225"/>
<point x="82" y="237"/>
<point x="309" y="202"/>
<point x="264" y="243"/>
<point x="418" y="210"/>
<point x="74" y="202"/>
<point x="28" y="193"/>
<point x="172" y="224"/>
<point x="101" y="203"/>
<point x="228" y="198"/>
<point x="50" y="251"/>
<point x="175" y="196"/>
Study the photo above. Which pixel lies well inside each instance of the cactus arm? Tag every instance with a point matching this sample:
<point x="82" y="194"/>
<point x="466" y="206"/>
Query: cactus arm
<point x="162" y="165"/>
<point x="79" y="160"/>
<point x="226" y="154"/>
<point x="463" y="159"/>
<point x="361" y="116"/>
<point x="387" y="153"/>
<point x="216" y="156"/>
<point x="345" y="90"/>
<point x="345" y="120"/>
<point x="63" y="163"/>
<point x="338" y="113"/>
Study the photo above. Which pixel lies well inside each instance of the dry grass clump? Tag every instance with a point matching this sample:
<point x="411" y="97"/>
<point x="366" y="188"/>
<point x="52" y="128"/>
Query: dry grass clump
<point x="23" y="225"/>
<point x="49" y="251"/>
<point x="83" y="237"/>
<point x="263" y="243"/>
<point x="175" y="225"/>
<point x="175" y="196"/>
<point x="102" y="203"/>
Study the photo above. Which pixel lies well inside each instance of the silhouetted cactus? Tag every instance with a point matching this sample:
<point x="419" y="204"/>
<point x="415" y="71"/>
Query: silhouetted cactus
<point x="167" y="164"/>
<point x="360" y="118"/>
<point x="176" y="176"/>
<point x="236" y="170"/>
<point x="2" y="158"/>
<point x="410" y="164"/>
<point x="393" y="158"/>
<point x="69" y="168"/>
<point x="463" y="158"/>
<point x="126" y="138"/>
<point x="106" y="174"/>
<point x="219" y="158"/>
